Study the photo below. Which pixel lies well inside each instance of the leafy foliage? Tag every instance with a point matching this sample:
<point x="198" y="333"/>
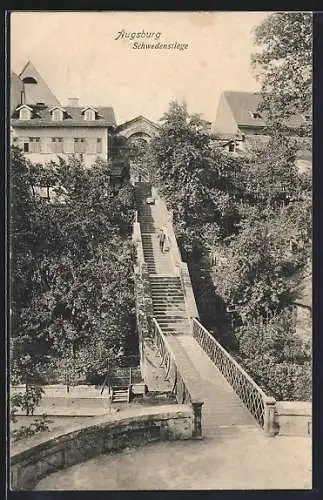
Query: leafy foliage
<point x="253" y="213"/>
<point x="71" y="267"/>
<point x="40" y="424"/>
<point x="284" y="65"/>
<point x="26" y="401"/>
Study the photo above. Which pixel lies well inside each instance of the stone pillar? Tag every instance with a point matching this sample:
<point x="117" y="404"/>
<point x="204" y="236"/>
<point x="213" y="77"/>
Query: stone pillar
<point x="197" y="430"/>
<point x="269" y="417"/>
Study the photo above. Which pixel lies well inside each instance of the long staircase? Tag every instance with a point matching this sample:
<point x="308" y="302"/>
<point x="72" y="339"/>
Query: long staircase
<point x="222" y="407"/>
<point x="168" y="304"/>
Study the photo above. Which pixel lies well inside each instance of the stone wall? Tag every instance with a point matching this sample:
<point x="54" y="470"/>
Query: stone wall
<point x="144" y="304"/>
<point x="111" y="434"/>
<point x="293" y="418"/>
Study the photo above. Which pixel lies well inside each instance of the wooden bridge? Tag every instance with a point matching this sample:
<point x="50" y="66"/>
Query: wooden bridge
<point x="201" y="371"/>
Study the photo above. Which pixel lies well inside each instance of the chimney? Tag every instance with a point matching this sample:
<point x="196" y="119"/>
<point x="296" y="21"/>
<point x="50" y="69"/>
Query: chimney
<point x="73" y="102"/>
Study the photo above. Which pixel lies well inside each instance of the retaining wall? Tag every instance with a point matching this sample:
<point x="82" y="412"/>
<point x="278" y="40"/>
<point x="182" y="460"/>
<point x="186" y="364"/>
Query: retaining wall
<point x="293" y="418"/>
<point x="108" y="434"/>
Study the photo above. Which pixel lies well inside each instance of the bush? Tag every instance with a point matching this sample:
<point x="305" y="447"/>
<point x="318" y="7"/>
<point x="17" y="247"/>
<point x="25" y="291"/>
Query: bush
<point x="40" y="424"/>
<point x="27" y="401"/>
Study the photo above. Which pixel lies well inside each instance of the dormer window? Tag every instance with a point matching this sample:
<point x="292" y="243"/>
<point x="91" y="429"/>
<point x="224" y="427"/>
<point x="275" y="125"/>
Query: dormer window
<point x="255" y="114"/>
<point x="30" y="79"/>
<point x="89" y="114"/>
<point x="57" y="114"/>
<point x="24" y="112"/>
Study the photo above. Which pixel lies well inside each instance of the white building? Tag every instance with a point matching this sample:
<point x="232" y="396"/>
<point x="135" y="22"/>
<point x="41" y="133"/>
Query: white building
<point x="46" y="130"/>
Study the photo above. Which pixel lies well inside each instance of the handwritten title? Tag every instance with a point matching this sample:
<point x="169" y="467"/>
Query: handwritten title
<point x="138" y="40"/>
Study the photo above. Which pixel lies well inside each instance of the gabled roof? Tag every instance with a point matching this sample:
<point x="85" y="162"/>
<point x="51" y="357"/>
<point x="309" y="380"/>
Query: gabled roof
<point x="24" y="106"/>
<point x="16" y="90"/>
<point x="140" y="118"/>
<point x="39" y="92"/>
<point x="89" y="107"/>
<point x="243" y="104"/>
<point x="56" y="107"/>
<point x="41" y="116"/>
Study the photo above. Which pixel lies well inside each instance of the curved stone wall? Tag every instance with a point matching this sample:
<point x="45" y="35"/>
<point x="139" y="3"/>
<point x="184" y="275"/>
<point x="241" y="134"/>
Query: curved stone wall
<point x="110" y="433"/>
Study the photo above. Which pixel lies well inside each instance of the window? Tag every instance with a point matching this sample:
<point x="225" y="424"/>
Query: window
<point x="99" y="145"/>
<point x="89" y="115"/>
<point x="26" y="147"/>
<point x="29" y="79"/>
<point x="34" y="144"/>
<point x="79" y="145"/>
<point x="57" y="145"/>
<point x="57" y="115"/>
<point x="232" y="147"/>
<point x="24" y="114"/>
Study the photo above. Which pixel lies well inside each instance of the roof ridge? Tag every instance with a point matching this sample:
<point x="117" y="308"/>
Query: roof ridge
<point x="23" y="69"/>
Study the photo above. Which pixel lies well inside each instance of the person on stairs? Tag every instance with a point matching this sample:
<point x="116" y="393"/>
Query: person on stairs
<point x="166" y="245"/>
<point x="162" y="237"/>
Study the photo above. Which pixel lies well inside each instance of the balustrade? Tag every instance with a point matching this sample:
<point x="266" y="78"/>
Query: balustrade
<point x="261" y="406"/>
<point x="180" y="388"/>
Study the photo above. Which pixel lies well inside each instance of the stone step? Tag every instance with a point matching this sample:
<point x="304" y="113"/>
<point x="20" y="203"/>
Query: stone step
<point x="167" y="278"/>
<point x="170" y="319"/>
<point x="167" y="298"/>
<point x="181" y="323"/>
<point x="170" y="300"/>
<point x="171" y="314"/>
<point x="163" y="288"/>
<point x="120" y="395"/>
<point x="174" y="285"/>
<point x="170" y="308"/>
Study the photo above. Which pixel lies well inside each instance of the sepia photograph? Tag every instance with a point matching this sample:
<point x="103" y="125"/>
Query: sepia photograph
<point x="160" y="250"/>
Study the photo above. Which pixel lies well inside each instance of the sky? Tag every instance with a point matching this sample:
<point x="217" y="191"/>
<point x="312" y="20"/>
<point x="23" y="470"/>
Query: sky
<point x="78" y="55"/>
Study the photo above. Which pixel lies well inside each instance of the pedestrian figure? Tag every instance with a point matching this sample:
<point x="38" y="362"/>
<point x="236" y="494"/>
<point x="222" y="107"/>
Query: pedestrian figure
<point x="162" y="237"/>
<point x="166" y="245"/>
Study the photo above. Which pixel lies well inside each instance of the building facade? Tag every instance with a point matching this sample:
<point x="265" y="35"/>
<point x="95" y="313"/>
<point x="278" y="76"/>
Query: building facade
<point x="137" y="133"/>
<point x="45" y="130"/>
<point x="240" y="127"/>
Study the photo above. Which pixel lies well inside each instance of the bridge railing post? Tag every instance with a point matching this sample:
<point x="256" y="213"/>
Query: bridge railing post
<point x="197" y="409"/>
<point x="269" y="416"/>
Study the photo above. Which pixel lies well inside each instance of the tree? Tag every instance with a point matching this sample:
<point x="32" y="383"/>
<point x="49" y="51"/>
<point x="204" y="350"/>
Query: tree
<point x="284" y="66"/>
<point x="191" y="176"/>
<point x="254" y="211"/>
<point x="71" y="269"/>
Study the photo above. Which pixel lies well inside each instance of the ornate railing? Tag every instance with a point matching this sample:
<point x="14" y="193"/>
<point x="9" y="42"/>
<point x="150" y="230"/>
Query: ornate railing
<point x="261" y="406"/>
<point x="181" y="389"/>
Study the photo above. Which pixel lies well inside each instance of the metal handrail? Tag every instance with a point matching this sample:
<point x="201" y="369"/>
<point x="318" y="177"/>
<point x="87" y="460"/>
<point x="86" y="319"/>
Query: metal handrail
<point x="180" y="387"/>
<point x="260" y="405"/>
<point x="229" y="357"/>
<point x="168" y="354"/>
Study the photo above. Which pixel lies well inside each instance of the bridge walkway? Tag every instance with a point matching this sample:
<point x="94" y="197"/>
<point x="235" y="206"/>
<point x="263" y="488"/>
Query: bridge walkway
<point x="222" y="408"/>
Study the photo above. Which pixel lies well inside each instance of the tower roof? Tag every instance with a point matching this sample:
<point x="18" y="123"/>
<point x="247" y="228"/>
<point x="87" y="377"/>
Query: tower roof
<point x="36" y="89"/>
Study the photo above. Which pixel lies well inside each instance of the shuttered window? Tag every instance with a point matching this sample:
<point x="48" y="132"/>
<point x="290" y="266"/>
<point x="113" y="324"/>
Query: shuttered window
<point x="89" y="115"/>
<point x="34" y="144"/>
<point x="79" y="145"/>
<point x="57" y="145"/>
